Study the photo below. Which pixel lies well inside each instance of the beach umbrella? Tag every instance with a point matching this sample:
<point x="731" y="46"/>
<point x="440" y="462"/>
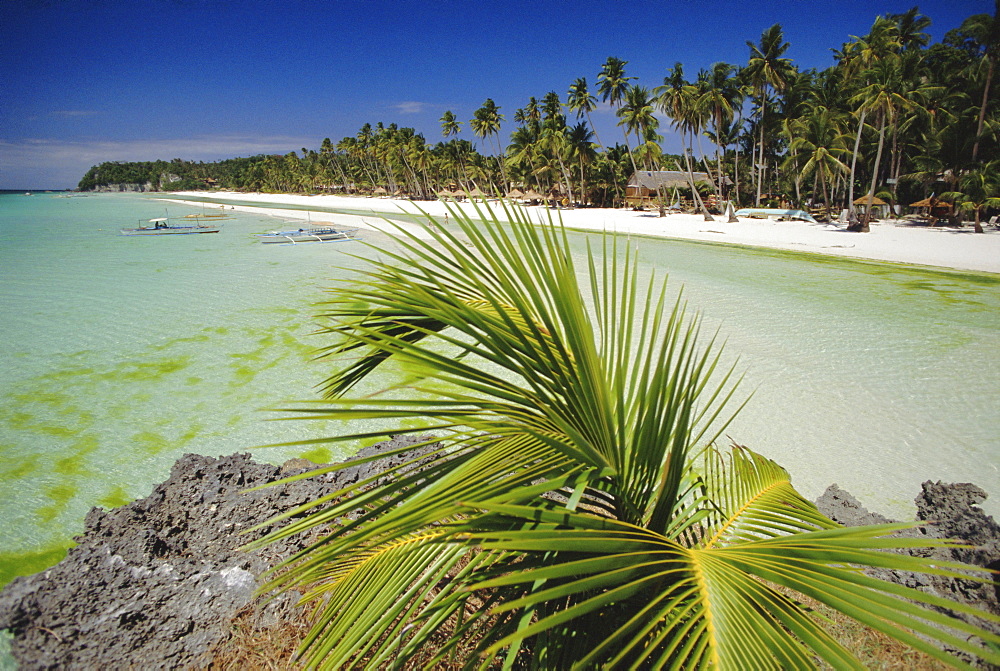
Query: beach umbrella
<point x="533" y="195"/>
<point x="874" y="200"/>
<point x="380" y="191"/>
<point x="477" y="193"/>
<point x="516" y="193"/>
<point x="445" y="193"/>
<point x="926" y="202"/>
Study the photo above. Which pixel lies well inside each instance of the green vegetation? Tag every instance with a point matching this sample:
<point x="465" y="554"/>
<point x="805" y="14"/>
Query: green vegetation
<point x="895" y="118"/>
<point x="577" y="512"/>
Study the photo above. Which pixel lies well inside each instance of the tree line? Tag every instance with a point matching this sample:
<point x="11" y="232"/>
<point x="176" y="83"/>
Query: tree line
<point x="895" y="118"/>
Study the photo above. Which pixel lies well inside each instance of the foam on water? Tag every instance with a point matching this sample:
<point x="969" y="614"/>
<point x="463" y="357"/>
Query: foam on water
<point x="121" y="354"/>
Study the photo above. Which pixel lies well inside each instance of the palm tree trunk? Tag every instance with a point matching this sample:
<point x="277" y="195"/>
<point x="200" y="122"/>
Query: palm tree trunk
<point x="878" y="159"/>
<point x="982" y="108"/>
<point x="854" y="162"/>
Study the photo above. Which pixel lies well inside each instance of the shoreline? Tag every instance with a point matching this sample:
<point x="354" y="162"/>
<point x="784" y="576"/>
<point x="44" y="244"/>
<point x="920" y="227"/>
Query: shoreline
<point x="892" y="241"/>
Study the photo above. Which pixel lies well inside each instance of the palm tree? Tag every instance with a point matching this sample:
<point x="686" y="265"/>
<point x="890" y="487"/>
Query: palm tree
<point x="817" y="147"/>
<point x="450" y="125"/>
<point x="486" y="124"/>
<point x="585" y="153"/>
<point x="980" y="189"/>
<point x="582" y="102"/>
<point x="985" y="31"/>
<point x="767" y="69"/>
<point x="569" y="515"/>
<point x="858" y="58"/>
<point x="636" y="114"/>
<point x="884" y="96"/>
<point x="612" y="85"/>
<point x="680" y="101"/>
<point x="720" y="94"/>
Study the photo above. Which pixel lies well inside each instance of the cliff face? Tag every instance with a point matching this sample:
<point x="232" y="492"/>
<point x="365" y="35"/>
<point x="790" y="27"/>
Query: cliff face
<point x="124" y="188"/>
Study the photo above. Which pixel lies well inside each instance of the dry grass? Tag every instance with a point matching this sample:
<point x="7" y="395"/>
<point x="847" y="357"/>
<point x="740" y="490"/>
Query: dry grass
<point x="252" y="649"/>
<point x="874" y="649"/>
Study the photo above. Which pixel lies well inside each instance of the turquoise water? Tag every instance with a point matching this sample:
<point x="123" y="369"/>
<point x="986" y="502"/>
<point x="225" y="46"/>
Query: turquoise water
<point x="121" y="354"/>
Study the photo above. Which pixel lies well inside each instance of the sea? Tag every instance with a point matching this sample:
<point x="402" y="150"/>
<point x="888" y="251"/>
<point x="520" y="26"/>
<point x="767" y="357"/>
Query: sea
<point x="121" y="354"/>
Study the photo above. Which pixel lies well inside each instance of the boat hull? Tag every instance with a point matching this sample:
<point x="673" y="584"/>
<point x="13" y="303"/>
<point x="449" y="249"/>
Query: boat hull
<point x="171" y="230"/>
<point x="306" y="235"/>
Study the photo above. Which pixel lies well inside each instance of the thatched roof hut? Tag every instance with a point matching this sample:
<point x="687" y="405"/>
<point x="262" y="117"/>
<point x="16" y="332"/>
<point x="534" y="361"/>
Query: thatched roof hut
<point x="533" y="195"/>
<point x="646" y="184"/>
<point x="872" y="200"/>
<point x="516" y="193"/>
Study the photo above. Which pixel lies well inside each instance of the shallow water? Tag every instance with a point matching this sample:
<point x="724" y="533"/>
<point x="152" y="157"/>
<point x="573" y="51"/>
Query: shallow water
<point x="122" y="353"/>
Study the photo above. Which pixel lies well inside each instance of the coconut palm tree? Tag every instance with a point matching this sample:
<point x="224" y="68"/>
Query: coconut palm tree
<point x="450" y="125"/>
<point x="858" y="58"/>
<point x="985" y="31"/>
<point x="636" y="114"/>
<point x="570" y="514"/>
<point x="486" y="124"/>
<point x="884" y="95"/>
<point x="582" y="102"/>
<point x="817" y="148"/>
<point x="720" y="95"/>
<point x="979" y="189"/>
<point x="585" y="153"/>
<point x="767" y="69"/>
<point x="612" y="84"/>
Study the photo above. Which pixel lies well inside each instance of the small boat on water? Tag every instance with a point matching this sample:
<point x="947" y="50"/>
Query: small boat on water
<point x="162" y="226"/>
<point x="313" y="234"/>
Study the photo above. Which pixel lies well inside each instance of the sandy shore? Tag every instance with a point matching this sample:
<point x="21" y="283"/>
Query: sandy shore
<point x="893" y="241"/>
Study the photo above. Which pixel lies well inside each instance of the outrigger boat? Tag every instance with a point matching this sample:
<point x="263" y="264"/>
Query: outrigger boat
<point x="221" y="214"/>
<point x="314" y="234"/>
<point x="162" y="226"/>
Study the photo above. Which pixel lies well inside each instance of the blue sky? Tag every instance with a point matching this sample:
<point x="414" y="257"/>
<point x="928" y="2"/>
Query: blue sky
<point x="86" y="81"/>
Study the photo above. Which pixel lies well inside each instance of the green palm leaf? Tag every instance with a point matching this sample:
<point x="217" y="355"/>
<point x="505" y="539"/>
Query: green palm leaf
<point x="566" y="519"/>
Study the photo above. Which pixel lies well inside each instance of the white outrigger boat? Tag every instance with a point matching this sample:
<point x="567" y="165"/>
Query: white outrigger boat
<point x="162" y="226"/>
<point x="313" y="234"/>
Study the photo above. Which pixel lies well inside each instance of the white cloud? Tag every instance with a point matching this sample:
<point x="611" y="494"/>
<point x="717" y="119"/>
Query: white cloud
<point x="47" y="163"/>
<point x="410" y="107"/>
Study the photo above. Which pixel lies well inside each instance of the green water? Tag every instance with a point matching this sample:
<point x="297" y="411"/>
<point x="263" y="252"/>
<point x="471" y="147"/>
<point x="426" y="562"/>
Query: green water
<point x="121" y="354"/>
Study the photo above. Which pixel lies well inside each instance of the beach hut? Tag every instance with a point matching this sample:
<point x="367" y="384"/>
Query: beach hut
<point x="533" y="195"/>
<point x="477" y="193"/>
<point x="380" y="191"/>
<point x="445" y="193"/>
<point x="644" y="186"/>
<point x="516" y="194"/>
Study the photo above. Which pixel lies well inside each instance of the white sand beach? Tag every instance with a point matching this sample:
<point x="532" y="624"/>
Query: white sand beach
<point x="894" y="241"/>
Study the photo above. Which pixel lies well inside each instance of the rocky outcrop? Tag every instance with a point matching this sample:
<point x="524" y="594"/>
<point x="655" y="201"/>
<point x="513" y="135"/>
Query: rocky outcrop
<point x="155" y="584"/>
<point x="948" y="511"/>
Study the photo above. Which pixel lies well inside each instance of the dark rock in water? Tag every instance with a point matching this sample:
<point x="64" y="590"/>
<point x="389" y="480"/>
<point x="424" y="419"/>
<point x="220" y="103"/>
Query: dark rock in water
<point x="155" y="584"/>
<point x="950" y="512"/>
<point x="841" y="507"/>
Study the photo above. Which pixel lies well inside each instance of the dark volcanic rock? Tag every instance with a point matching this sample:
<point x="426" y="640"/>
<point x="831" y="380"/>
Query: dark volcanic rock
<point x="154" y="584"/>
<point x="950" y="512"/>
